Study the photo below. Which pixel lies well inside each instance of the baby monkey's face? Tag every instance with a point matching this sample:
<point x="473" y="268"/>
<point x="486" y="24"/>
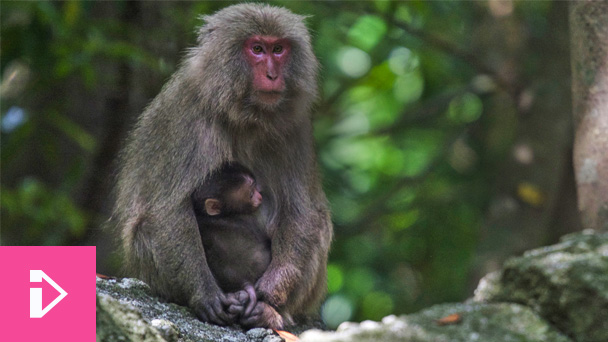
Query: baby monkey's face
<point x="248" y="194"/>
<point x="244" y="199"/>
<point x="241" y="198"/>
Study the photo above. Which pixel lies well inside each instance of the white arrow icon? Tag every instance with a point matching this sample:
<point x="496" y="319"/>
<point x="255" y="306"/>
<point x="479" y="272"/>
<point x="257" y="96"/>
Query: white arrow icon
<point x="36" y="310"/>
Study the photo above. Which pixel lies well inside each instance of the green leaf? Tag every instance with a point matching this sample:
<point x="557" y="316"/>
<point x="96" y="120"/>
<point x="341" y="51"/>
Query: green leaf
<point x="85" y="140"/>
<point x="367" y="32"/>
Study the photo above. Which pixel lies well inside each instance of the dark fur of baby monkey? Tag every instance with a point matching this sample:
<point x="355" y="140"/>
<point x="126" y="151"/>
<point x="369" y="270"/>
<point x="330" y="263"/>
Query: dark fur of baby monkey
<point x="237" y="248"/>
<point x="243" y="94"/>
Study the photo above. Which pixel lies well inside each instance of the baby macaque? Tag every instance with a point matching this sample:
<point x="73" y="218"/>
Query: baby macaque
<point x="236" y="247"/>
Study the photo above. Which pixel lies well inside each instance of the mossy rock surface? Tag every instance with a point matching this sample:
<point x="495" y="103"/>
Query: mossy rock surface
<point x="566" y="283"/>
<point x="466" y="322"/>
<point x="557" y="293"/>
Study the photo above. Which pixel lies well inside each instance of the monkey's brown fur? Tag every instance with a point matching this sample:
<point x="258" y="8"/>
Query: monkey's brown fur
<point x="204" y="116"/>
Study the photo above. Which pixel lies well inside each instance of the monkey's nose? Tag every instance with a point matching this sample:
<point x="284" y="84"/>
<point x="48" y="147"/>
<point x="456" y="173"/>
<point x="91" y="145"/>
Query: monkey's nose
<point x="271" y="77"/>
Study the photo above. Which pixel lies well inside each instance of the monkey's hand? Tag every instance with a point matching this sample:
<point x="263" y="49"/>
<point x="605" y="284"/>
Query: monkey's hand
<point x="212" y="310"/>
<point x="242" y="302"/>
<point x="264" y="316"/>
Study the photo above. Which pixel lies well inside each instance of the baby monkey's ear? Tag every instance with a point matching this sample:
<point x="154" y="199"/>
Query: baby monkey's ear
<point x="213" y="206"/>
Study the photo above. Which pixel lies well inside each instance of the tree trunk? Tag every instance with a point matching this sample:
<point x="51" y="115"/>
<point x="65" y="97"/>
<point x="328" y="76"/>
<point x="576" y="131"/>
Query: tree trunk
<point x="589" y="49"/>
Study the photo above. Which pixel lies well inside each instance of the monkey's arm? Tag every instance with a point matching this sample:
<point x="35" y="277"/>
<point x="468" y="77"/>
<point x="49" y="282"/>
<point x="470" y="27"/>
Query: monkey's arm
<point x="295" y="281"/>
<point x="162" y="164"/>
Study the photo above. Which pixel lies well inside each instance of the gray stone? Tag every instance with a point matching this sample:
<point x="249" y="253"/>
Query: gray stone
<point x="500" y="322"/>
<point x="128" y="312"/>
<point x="566" y="283"/>
<point x="554" y="294"/>
<point x="118" y="322"/>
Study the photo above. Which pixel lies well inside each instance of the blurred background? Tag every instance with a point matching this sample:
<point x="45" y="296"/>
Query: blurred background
<point x="443" y="132"/>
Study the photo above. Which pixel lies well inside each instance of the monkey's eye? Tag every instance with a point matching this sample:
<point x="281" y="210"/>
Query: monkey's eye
<point x="277" y="49"/>
<point x="257" y="49"/>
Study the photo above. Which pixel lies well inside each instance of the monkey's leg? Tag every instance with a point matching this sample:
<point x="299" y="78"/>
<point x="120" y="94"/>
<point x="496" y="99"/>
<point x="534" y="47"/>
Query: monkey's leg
<point x="184" y="278"/>
<point x="292" y="281"/>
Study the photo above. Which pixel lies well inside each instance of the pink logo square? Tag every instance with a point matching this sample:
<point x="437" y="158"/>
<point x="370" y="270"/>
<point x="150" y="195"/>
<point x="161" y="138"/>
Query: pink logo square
<point x="47" y="293"/>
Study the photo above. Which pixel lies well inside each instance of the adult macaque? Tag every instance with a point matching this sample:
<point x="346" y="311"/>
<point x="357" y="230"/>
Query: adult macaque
<point x="243" y="94"/>
<point x="236" y="247"/>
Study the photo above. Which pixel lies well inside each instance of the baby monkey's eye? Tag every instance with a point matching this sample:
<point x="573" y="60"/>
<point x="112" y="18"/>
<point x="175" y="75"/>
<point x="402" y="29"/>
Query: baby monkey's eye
<point x="278" y="49"/>
<point x="257" y="49"/>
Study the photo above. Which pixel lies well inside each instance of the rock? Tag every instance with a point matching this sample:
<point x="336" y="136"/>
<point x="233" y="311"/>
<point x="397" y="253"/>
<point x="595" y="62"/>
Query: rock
<point x="488" y="287"/>
<point x="567" y="284"/>
<point x="554" y="294"/>
<point x="128" y="312"/>
<point x="473" y="322"/>
<point x="117" y="322"/>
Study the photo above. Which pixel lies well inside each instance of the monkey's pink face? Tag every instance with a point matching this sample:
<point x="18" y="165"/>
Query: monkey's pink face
<point x="267" y="57"/>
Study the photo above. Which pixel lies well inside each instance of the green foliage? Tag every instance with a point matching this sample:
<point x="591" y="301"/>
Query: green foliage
<point x="411" y="127"/>
<point x="367" y="32"/>
<point x="41" y="216"/>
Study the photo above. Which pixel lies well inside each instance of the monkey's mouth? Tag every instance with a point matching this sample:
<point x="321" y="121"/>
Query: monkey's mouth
<point x="269" y="97"/>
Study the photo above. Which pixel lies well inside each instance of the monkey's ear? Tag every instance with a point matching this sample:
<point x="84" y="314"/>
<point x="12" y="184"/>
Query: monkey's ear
<point x="213" y="206"/>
